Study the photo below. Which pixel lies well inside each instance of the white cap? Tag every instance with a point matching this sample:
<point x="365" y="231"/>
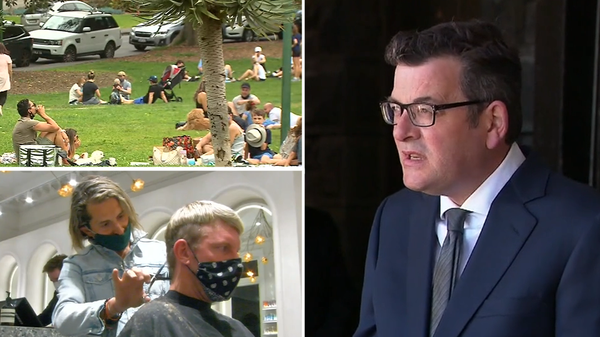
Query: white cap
<point x="257" y="49"/>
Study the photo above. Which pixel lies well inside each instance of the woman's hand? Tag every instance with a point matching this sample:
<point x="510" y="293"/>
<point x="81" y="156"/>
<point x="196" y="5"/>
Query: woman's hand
<point x="129" y="290"/>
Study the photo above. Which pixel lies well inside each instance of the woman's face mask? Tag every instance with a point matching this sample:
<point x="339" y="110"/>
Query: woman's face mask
<point x="113" y="242"/>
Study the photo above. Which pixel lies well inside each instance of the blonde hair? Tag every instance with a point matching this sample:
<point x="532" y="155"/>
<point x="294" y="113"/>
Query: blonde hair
<point x="91" y="75"/>
<point x="94" y="190"/>
<point x="189" y="221"/>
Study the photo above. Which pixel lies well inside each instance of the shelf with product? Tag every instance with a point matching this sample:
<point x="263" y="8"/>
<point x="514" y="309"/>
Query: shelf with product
<point x="269" y="318"/>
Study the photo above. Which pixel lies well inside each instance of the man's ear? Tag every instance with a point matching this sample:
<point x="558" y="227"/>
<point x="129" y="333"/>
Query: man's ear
<point x="182" y="252"/>
<point x="497" y="124"/>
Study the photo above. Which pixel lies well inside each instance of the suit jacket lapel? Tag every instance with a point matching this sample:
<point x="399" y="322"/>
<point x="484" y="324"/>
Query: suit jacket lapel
<point x="506" y="229"/>
<point x="420" y="265"/>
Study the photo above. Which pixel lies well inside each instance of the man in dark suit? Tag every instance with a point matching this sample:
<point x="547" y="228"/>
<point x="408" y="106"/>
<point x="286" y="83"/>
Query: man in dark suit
<point x="486" y="240"/>
<point x="52" y="269"/>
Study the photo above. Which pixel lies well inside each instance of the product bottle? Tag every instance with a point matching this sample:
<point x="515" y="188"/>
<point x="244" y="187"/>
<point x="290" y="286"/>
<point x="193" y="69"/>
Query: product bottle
<point x="7" y="312"/>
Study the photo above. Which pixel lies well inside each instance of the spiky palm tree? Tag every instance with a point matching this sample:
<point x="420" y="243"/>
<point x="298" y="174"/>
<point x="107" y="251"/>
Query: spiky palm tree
<point x="263" y="16"/>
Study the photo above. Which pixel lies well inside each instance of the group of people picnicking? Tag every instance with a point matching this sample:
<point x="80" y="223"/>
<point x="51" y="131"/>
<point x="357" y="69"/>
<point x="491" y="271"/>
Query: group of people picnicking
<point x="247" y="121"/>
<point x="249" y="129"/>
<point x="86" y="91"/>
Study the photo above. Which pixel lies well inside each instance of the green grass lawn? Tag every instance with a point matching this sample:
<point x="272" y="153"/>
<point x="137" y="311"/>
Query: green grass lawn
<point x="14" y="18"/>
<point x="129" y="132"/>
<point x="124" y="20"/>
<point x="127" y="20"/>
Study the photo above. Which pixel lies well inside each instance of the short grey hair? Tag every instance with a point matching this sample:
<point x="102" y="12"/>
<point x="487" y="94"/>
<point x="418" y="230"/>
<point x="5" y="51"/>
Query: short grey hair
<point x="94" y="190"/>
<point x="188" y="222"/>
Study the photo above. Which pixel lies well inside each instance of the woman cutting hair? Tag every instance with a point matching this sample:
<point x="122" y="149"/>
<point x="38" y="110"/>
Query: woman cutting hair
<point x="103" y="285"/>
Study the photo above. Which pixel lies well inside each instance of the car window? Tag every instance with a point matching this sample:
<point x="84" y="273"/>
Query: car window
<point x="62" y="23"/>
<point x="82" y="7"/>
<point x="11" y="32"/>
<point x="67" y="8"/>
<point x="110" y="22"/>
<point x="100" y="23"/>
<point x="89" y="22"/>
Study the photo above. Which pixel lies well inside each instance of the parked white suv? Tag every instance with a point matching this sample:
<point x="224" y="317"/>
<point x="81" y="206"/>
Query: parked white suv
<point x="71" y="34"/>
<point x="143" y="35"/>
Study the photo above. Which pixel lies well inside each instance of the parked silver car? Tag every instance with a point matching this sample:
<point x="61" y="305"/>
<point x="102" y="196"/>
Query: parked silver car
<point x="143" y="35"/>
<point x="33" y="19"/>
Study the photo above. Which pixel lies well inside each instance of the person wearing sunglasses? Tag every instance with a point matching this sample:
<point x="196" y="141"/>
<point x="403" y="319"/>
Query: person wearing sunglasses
<point x="203" y="241"/>
<point x="485" y="240"/>
<point x="102" y="286"/>
<point x="26" y="129"/>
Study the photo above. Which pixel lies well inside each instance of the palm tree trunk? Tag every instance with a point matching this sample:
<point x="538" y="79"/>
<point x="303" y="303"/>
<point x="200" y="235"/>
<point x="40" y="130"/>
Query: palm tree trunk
<point x="211" y="45"/>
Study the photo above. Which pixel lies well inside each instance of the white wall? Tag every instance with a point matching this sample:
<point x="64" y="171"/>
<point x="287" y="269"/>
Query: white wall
<point x="280" y="191"/>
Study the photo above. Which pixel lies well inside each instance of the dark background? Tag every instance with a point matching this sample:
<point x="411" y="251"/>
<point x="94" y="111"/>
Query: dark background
<point x="351" y="160"/>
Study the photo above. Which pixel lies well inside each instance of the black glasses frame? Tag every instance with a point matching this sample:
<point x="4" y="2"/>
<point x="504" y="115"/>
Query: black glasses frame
<point x="385" y="107"/>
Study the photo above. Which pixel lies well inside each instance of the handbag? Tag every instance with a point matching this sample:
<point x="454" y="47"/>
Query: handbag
<point x="38" y="155"/>
<point x="184" y="141"/>
<point x="162" y="155"/>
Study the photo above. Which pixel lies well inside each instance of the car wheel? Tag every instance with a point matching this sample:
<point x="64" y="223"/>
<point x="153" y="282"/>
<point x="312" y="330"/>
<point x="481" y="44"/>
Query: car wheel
<point x="139" y="47"/>
<point x="109" y="51"/>
<point x="172" y="37"/>
<point x="248" y="35"/>
<point x="70" y="54"/>
<point x="25" y="58"/>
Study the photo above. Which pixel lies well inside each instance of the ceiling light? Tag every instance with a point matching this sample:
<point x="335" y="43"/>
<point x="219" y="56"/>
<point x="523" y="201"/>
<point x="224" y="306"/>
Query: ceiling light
<point x="66" y="190"/>
<point x="28" y="200"/>
<point x="73" y="182"/>
<point x="137" y="185"/>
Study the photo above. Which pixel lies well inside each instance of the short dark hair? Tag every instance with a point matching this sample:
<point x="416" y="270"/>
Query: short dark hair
<point x="491" y="70"/>
<point x="56" y="262"/>
<point x="259" y="112"/>
<point x="23" y="107"/>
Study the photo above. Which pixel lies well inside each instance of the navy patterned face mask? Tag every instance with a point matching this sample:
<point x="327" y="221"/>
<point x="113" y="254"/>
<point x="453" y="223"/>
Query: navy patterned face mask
<point x="219" y="279"/>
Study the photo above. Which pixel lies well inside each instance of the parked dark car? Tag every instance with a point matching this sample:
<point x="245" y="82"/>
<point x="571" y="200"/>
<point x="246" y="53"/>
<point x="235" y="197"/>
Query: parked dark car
<point x="20" y="44"/>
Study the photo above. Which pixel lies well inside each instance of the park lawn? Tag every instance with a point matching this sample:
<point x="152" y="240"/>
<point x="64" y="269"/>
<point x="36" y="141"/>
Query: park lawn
<point x="124" y="20"/>
<point x="14" y="18"/>
<point x="129" y="132"/>
<point x="127" y="20"/>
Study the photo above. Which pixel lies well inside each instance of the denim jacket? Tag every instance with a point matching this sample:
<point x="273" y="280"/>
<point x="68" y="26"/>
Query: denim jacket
<point x="86" y="283"/>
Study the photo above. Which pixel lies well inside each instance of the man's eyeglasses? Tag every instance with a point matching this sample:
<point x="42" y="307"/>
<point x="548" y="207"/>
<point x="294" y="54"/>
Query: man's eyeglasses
<point x="420" y="114"/>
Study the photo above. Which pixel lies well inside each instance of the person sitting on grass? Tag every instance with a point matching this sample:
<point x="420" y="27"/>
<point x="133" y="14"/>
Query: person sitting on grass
<point x="258" y="138"/>
<point x="90" y="91"/>
<point x="236" y="138"/>
<point x="115" y="96"/>
<point x="155" y="91"/>
<point x="26" y="130"/>
<point x="288" y="153"/>
<point x="125" y="85"/>
<point x="258" y="71"/>
<point x="75" y="93"/>
<point x="73" y="142"/>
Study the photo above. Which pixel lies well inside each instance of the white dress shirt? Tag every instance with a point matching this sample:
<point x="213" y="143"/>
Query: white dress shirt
<point x="479" y="203"/>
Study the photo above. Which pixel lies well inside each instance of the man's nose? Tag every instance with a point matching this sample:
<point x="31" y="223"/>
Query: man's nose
<point x="404" y="128"/>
